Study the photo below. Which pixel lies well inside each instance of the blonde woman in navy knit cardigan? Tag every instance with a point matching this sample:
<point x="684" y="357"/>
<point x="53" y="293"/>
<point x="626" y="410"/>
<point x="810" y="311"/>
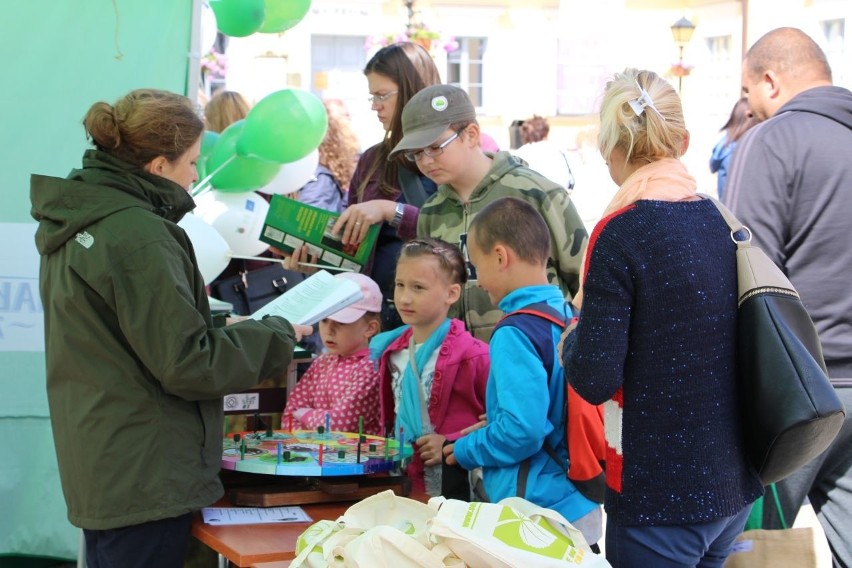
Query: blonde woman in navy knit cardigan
<point x="654" y="343"/>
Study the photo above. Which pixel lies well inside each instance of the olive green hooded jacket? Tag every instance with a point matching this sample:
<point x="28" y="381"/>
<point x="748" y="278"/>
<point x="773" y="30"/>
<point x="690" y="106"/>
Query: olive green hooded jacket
<point x="136" y="370"/>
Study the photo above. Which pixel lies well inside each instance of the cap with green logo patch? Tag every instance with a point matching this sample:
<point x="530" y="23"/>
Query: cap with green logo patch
<point x="429" y="113"/>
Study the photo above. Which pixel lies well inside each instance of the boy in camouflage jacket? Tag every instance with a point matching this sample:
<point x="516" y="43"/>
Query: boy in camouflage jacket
<point x="441" y="136"/>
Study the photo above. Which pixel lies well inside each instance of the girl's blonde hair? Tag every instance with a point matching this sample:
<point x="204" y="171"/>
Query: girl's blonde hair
<point x="649" y="136"/>
<point x="224" y="109"/>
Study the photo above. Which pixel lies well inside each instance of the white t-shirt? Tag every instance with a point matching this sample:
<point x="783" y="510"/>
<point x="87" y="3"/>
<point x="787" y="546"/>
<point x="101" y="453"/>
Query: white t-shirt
<point x="548" y="159"/>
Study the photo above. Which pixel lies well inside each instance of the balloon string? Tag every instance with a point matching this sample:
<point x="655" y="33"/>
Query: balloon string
<point x="204" y="185"/>
<point x="263" y="258"/>
<point x="118" y="55"/>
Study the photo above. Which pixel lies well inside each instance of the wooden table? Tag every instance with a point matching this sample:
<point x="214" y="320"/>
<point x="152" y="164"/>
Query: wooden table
<point x="265" y="546"/>
<point x="247" y="545"/>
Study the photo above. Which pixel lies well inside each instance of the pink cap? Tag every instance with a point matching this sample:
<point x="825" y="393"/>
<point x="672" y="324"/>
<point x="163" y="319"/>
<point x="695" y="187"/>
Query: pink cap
<point x="371" y="302"/>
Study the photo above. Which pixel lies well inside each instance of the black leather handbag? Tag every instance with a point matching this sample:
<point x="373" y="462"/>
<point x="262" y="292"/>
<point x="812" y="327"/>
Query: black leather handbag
<point x="250" y="290"/>
<point x="790" y="410"/>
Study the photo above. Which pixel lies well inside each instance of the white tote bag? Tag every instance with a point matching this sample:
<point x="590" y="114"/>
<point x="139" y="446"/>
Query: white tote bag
<point x="513" y="533"/>
<point x="383" y="530"/>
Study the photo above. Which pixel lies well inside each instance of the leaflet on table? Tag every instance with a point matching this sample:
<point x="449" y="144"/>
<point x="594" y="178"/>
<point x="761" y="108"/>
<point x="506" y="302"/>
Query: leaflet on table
<point x="253" y="515"/>
<point x="290" y="224"/>
<point x="313" y="299"/>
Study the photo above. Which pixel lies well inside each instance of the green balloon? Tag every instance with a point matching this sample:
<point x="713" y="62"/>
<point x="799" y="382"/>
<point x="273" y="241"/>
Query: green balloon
<point x="283" y="127"/>
<point x="282" y="15"/>
<point x="208" y="142"/>
<point x="201" y="167"/>
<point x="241" y="173"/>
<point x="238" y="18"/>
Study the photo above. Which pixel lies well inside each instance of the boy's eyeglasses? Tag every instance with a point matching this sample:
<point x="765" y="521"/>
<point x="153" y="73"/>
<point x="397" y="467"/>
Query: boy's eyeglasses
<point x="431" y="151"/>
<point x="380" y="98"/>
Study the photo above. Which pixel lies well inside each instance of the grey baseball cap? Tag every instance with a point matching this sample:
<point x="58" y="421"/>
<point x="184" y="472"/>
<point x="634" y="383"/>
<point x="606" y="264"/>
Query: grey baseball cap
<point x="429" y="113"/>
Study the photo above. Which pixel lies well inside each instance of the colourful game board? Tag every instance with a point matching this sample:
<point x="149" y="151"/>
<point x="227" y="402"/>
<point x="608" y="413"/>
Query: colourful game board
<point x="309" y="453"/>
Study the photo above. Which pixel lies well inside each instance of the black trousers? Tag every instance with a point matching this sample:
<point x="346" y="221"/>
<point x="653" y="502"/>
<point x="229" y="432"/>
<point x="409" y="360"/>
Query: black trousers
<point x="157" y="544"/>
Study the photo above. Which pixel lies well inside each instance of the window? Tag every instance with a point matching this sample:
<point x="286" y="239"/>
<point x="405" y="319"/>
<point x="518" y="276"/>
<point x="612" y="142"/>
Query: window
<point x="723" y="71"/>
<point x="464" y="67"/>
<point x="720" y="49"/>
<point x="580" y="75"/>
<point x="835" y="38"/>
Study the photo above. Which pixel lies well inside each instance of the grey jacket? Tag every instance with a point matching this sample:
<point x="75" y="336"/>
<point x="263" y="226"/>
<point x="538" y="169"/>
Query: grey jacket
<point x="791" y="183"/>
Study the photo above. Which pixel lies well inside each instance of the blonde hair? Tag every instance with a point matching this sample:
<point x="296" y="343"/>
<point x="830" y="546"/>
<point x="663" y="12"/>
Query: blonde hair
<point x="224" y="109"/>
<point x="144" y="124"/>
<point x="649" y="136"/>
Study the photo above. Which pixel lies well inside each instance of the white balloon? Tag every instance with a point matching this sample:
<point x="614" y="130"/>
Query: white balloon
<point x="238" y="217"/>
<point x="211" y="250"/>
<point x="293" y="175"/>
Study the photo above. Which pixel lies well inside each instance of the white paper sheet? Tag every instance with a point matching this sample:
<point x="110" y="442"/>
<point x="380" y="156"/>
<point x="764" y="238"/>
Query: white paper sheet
<point x="253" y="515"/>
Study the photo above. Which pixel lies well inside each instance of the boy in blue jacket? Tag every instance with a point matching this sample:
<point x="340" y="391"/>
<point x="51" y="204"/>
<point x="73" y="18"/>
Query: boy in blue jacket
<point x="524" y="434"/>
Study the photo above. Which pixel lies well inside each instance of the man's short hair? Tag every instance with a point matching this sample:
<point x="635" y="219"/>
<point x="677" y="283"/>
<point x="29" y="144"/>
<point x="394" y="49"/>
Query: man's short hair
<point x="515" y="224"/>
<point x="790" y="51"/>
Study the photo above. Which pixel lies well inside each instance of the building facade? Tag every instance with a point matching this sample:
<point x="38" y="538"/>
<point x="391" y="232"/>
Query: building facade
<point x="548" y="57"/>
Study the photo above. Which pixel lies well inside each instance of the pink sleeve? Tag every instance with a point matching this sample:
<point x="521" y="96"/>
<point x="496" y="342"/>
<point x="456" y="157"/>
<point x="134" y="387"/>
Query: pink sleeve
<point x="408" y="227"/>
<point x="480" y="378"/>
<point x="301" y="395"/>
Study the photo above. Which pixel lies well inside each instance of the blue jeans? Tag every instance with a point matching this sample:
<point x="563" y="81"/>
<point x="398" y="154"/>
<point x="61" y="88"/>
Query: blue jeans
<point x="156" y="543"/>
<point x="678" y="546"/>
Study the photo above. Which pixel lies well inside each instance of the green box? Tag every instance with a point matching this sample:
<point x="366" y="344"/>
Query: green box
<point x="289" y="224"/>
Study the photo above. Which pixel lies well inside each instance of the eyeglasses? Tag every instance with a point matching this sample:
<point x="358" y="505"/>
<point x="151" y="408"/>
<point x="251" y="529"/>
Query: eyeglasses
<point x="431" y="151"/>
<point x="380" y="98"/>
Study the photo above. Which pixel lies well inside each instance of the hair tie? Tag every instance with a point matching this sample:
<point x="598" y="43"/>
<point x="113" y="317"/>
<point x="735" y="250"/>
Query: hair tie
<point x="639" y="104"/>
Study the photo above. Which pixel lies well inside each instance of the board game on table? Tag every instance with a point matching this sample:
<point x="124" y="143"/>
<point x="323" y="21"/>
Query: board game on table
<point x="312" y="453"/>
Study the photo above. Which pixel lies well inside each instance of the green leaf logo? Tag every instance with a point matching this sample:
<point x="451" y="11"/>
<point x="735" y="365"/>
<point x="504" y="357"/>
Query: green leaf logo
<point x="536" y="536"/>
<point x="440" y="103"/>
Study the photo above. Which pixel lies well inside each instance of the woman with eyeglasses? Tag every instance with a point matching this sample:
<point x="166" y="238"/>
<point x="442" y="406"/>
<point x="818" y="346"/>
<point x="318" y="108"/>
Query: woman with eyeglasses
<point x="384" y="190"/>
<point x="441" y="136"/>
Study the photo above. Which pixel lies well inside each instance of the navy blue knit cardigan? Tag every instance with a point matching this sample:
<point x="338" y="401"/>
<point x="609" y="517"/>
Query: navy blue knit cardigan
<point x="655" y="343"/>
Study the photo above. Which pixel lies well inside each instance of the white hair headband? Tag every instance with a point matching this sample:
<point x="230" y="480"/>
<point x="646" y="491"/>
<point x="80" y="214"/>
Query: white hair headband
<point x="638" y="105"/>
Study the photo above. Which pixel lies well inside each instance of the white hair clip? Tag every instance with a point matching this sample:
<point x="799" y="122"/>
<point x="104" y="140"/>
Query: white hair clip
<point x="644" y="100"/>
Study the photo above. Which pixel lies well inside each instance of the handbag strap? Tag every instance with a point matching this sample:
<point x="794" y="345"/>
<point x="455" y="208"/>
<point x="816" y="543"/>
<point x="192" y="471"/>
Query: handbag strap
<point x="412" y="187"/>
<point x="734" y="223"/>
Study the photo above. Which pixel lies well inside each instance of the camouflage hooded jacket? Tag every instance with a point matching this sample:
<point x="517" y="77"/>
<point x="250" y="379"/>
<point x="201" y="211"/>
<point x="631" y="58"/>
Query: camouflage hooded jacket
<point x="446" y="217"/>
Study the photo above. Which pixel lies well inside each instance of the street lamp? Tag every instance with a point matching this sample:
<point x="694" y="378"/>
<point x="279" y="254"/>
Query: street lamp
<point x="682" y="33"/>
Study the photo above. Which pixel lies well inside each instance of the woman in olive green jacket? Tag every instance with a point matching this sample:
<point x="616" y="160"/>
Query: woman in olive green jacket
<point x="136" y="370"/>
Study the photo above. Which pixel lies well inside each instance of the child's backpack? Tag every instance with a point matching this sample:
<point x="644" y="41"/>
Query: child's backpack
<point x="583" y="421"/>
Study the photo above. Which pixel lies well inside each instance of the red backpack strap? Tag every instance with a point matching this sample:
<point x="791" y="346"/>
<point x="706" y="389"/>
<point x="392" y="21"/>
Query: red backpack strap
<point x="541" y="310"/>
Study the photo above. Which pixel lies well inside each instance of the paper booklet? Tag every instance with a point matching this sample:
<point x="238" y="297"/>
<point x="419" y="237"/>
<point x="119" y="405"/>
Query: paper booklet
<point x="312" y="299"/>
<point x="291" y="224"/>
<point x="253" y="515"/>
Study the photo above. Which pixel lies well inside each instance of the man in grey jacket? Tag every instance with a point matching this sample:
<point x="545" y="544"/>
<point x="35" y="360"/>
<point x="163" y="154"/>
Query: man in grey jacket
<point x="791" y="184"/>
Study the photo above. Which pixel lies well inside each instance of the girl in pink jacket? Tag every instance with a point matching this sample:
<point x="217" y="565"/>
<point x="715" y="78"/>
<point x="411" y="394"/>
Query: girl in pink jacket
<point x="432" y="371"/>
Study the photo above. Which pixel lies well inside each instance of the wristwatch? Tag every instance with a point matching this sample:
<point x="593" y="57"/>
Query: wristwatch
<point x="397" y="216"/>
